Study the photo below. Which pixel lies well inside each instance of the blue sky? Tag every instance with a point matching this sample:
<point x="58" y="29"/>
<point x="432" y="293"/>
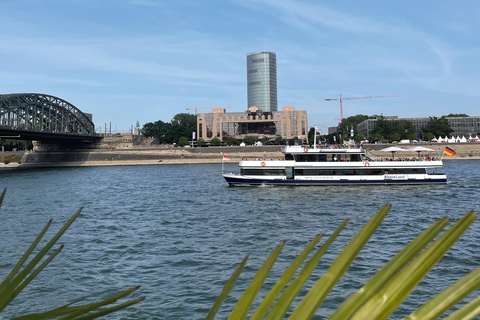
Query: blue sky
<point x="147" y="60"/>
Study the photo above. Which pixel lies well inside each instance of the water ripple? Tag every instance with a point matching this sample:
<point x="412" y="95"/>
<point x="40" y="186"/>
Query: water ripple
<point x="180" y="232"/>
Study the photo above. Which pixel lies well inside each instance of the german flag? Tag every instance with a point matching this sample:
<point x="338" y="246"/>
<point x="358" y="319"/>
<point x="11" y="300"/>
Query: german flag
<point x="449" y="151"/>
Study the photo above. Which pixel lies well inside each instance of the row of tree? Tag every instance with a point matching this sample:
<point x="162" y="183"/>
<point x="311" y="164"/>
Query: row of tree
<point x="10" y="145"/>
<point x="179" y="130"/>
<point x="392" y="130"/>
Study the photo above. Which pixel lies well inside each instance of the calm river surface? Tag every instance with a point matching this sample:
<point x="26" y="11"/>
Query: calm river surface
<point x="180" y="231"/>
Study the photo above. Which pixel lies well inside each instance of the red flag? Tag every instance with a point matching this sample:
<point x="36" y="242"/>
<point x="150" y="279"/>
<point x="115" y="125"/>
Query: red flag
<point x="226" y="158"/>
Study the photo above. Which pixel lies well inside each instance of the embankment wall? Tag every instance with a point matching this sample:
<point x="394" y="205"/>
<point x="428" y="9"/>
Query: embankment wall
<point x="164" y="155"/>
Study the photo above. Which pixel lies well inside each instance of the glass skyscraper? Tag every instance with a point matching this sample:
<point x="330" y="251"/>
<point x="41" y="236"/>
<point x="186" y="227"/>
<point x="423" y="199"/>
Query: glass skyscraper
<point x="262" y="81"/>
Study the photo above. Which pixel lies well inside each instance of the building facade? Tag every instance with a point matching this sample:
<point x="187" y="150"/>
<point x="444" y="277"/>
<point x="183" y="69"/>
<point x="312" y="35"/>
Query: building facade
<point x="462" y="126"/>
<point x="262" y="81"/>
<point x="288" y="123"/>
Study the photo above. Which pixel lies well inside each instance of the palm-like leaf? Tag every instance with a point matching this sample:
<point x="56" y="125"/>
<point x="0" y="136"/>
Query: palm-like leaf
<point x="19" y="278"/>
<point x="383" y="293"/>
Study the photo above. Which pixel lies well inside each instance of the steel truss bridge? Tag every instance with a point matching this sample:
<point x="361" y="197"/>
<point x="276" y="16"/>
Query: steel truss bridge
<point x="41" y="117"/>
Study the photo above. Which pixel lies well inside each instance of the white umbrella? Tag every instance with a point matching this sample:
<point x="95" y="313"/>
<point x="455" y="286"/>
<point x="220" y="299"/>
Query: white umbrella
<point x="392" y="150"/>
<point x="419" y="149"/>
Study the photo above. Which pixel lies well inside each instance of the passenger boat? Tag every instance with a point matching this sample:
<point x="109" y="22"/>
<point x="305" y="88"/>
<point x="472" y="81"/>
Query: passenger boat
<point x="321" y="166"/>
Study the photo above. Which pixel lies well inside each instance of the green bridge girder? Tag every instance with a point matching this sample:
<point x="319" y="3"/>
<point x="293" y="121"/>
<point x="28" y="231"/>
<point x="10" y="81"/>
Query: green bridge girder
<point x="42" y="112"/>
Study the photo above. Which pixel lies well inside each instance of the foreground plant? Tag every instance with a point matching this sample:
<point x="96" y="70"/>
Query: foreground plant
<point x="379" y="297"/>
<point x="19" y="278"/>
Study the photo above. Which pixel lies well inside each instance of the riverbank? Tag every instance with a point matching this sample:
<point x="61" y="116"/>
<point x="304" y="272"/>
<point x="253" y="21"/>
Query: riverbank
<point x="165" y="155"/>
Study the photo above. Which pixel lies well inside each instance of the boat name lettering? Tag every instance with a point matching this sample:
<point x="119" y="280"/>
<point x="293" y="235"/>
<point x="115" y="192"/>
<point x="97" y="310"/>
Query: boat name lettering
<point x="395" y="176"/>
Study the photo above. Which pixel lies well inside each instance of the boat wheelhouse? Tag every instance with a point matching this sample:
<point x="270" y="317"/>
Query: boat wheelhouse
<point x="334" y="165"/>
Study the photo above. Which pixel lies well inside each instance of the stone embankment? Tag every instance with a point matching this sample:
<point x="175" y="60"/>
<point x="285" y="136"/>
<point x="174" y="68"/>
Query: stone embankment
<point x="171" y="155"/>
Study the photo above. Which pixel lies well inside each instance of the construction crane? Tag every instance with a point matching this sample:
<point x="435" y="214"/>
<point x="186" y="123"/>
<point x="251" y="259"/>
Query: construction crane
<point x="205" y="108"/>
<point x="365" y="97"/>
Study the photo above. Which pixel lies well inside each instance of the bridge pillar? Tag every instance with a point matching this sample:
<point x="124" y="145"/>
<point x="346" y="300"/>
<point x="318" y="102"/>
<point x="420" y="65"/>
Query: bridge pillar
<point x="39" y="146"/>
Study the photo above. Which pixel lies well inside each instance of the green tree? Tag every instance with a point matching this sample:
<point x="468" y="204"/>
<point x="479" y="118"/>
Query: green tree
<point x="182" y="125"/>
<point x="359" y="137"/>
<point x="311" y="135"/>
<point x="231" y="141"/>
<point x="265" y="140"/>
<point x="451" y="115"/>
<point x="10" y="144"/>
<point x="394" y="129"/>
<point x="378" y="137"/>
<point x="182" y="141"/>
<point x="278" y="140"/>
<point x="428" y="136"/>
<point x="201" y="142"/>
<point x="395" y="136"/>
<point x="215" y="141"/>
<point x="160" y="130"/>
<point x="347" y="124"/>
<point x="438" y="127"/>
<point x="249" y="140"/>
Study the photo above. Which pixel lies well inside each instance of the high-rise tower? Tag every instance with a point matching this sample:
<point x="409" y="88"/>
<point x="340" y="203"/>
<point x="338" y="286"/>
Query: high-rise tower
<point x="262" y="80"/>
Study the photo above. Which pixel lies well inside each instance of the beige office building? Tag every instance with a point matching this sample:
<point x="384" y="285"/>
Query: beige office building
<point x="462" y="126"/>
<point x="287" y="123"/>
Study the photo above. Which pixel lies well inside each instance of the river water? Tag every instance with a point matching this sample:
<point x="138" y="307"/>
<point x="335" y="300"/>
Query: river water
<point x="180" y="231"/>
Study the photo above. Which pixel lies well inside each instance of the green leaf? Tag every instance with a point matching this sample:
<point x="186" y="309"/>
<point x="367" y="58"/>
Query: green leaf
<point x="394" y="293"/>
<point x="468" y="312"/>
<point x="72" y="312"/>
<point x="5" y="288"/>
<point x="388" y="271"/>
<point x="106" y="311"/>
<point x="32" y="275"/>
<point x="243" y="305"/>
<point x="15" y="282"/>
<point x="2" y="196"/>
<point x="284" y="302"/>
<point x="448" y="298"/>
<point x="226" y="289"/>
<point x="310" y="303"/>
<point x="284" y="279"/>
<point x="93" y="306"/>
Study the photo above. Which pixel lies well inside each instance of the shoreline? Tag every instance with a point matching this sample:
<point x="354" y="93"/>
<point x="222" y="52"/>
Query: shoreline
<point x="135" y="157"/>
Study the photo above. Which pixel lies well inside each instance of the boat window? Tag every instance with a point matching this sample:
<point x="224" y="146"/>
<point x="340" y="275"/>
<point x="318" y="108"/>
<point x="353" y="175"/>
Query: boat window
<point x="262" y="172"/>
<point x="322" y="158"/>
<point x="355" y="157"/>
<point x="293" y="142"/>
<point x="289" y="156"/>
<point x="274" y="172"/>
<point x="252" y="172"/>
<point x="350" y="172"/>
<point x="301" y="158"/>
<point x="310" y="172"/>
